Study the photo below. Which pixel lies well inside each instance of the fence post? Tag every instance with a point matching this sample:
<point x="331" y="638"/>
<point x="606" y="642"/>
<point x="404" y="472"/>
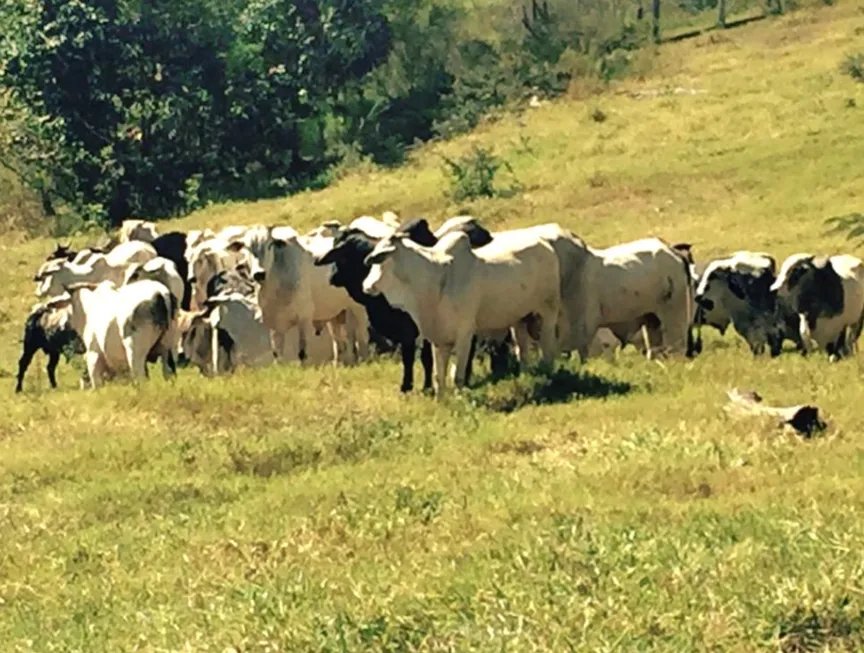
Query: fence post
<point x="721" y="13"/>
<point x="655" y="12"/>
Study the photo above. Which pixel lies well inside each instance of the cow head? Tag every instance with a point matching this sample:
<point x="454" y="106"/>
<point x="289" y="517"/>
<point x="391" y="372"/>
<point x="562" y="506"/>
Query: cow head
<point x="478" y="235"/>
<point x="347" y="256"/>
<point x="418" y="230"/>
<point x="377" y="261"/>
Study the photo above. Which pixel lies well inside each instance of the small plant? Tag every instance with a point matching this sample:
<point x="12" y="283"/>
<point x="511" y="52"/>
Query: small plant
<point x="852" y="224"/>
<point x="473" y="176"/>
<point x="598" y="115"/>
<point x="854" y="66"/>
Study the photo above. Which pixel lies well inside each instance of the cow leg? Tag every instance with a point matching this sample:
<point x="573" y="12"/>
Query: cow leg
<point x="804" y="331"/>
<point x="23" y="364"/>
<point x="409" y="351"/>
<point x="279" y="343"/>
<point x="137" y="361"/>
<point x="53" y="360"/>
<point x="303" y="328"/>
<point x="360" y="333"/>
<point x="520" y="335"/>
<point x="169" y="366"/>
<point x="463" y="350"/>
<point x="499" y="358"/>
<point x="469" y="370"/>
<point x="548" y="343"/>
<point x="340" y="344"/>
<point x="426" y="360"/>
<point x="95" y="368"/>
<point x="442" y="359"/>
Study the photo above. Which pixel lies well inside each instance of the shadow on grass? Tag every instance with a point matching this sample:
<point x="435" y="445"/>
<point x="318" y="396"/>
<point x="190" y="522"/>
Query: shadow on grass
<point x="837" y="626"/>
<point x="561" y="386"/>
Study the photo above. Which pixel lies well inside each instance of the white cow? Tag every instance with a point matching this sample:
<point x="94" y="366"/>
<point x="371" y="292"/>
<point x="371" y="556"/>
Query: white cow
<point x="157" y="269"/>
<point x="827" y="293"/>
<point x="452" y="291"/>
<point x="373" y="227"/>
<point x="207" y="259"/>
<point x="296" y="293"/>
<point x="644" y="284"/>
<point x="141" y="230"/>
<point x="122" y="328"/>
<point x="57" y="273"/>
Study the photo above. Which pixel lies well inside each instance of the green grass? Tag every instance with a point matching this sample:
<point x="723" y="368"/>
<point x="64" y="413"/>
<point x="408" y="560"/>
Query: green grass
<point x="319" y="510"/>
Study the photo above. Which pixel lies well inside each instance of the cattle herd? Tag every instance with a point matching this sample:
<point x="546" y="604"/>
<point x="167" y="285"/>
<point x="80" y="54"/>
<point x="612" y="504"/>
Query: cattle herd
<point x="252" y="296"/>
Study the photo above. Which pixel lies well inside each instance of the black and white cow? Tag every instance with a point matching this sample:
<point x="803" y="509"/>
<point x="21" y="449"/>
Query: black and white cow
<point x="48" y="328"/>
<point x="827" y="294"/>
<point x="736" y="290"/>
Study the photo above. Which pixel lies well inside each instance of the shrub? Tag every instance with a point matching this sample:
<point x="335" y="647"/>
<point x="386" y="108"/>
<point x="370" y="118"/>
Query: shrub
<point x="854" y="66"/>
<point x="473" y="176"/>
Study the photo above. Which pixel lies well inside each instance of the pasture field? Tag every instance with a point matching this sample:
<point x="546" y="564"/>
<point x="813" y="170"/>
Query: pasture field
<point x="617" y="509"/>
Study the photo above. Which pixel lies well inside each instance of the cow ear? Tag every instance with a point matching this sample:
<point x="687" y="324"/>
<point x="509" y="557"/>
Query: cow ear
<point x="328" y="258"/>
<point x="479" y="236"/>
<point x="235" y="246"/>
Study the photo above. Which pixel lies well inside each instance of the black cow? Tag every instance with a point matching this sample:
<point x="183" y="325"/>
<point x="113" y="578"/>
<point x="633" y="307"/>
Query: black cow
<point x="173" y="247"/>
<point x="350" y="248"/>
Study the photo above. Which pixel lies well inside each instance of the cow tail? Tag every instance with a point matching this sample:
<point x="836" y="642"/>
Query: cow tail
<point x="689" y="294"/>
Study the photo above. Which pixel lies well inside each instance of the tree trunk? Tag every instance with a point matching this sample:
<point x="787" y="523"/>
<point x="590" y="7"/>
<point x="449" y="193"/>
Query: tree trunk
<point x="655" y="12"/>
<point x="721" y="13"/>
<point x="47" y="204"/>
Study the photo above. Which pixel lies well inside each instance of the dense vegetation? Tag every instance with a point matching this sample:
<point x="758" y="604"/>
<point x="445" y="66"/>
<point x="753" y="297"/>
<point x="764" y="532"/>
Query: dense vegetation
<point x="122" y="108"/>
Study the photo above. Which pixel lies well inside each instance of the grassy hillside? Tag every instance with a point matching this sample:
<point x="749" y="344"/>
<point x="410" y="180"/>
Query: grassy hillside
<point x="318" y="510"/>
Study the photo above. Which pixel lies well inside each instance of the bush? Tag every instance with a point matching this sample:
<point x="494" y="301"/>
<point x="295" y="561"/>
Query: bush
<point x="854" y="66"/>
<point x="473" y="176"/>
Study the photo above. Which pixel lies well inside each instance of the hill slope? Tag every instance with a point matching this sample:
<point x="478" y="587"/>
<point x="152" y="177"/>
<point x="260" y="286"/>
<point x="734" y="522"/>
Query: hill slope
<point x="289" y="510"/>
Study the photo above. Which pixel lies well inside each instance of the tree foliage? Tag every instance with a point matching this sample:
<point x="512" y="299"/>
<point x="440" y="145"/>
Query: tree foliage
<point x="151" y="108"/>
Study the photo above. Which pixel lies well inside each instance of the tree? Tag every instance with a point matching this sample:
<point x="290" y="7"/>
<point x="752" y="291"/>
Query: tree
<point x="151" y="107"/>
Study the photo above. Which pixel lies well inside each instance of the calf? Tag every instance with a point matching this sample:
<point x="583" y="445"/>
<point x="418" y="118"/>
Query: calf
<point x="827" y="293"/>
<point x="122" y="328"/>
<point x="452" y="291"/>
<point x="48" y="328"/>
